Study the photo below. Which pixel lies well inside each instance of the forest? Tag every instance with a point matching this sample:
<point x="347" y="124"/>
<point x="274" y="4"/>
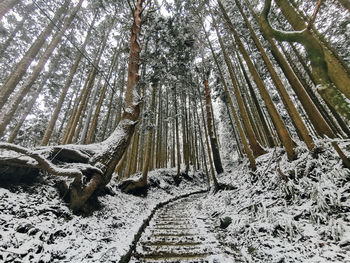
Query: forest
<point x="175" y="131"/>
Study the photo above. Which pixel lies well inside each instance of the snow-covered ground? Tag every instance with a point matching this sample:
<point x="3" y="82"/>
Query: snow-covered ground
<point x="303" y="216"/>
<point x="35" y="225"/>
<point x="303" y="219"/>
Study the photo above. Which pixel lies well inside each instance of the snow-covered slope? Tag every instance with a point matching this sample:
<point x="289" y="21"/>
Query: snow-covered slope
<point x="305" y="218"/>
<point x="35" y="225"/>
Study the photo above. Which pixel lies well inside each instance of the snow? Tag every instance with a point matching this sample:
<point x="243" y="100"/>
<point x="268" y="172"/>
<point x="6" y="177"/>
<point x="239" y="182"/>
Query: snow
<point x="35" y="224"/>
<point x="303" y="220"/>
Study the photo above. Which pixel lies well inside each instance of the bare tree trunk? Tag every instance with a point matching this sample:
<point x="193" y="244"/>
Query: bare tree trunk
<point x="147" y="159"/>
<point x="22" y="66"/>
<point x="239" y="127"/>
<point x="256" y="148"/>
<point x="212" y="169"/>
<point x="331" y="80"/>
<point x="29" y="108"/>
<point x="276" y="118"/>
<point x="87" y="89"/>
<point x="202" y="146"/>
<point x="300" y="126"/>
<point x="337" y="69"/>
<point x="35" y="95"/>
<point x="89" y="114"/>
<point x="264" y="122"/>
<point x="100" y="101"/>
<point x="67" y="84"/>
<point x="18" y="97"/>
<point x="178" y="162"/>
<point x="213" y="141"/>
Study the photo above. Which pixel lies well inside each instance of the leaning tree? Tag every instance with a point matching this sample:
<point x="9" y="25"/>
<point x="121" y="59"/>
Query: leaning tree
<point x="90" y="167"/>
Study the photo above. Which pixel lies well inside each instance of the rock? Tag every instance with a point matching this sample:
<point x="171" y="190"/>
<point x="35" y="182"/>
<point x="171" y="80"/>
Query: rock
<point x="24" y="228"/>
<point x="33" y="231"/>
<point x="225" y="222"/>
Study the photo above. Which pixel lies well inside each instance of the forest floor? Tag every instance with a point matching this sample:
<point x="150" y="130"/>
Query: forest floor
<point x="36" y="226"/>
<point x="303" y="216"/>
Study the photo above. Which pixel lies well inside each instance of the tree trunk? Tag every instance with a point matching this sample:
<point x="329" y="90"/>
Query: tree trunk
<point x="100" y="101"/>
<point x="64" y="91"/>
<point x="87" y="89"/>
<point x="300" y="126"/>
<point x="87" y="120"/>
<point x="256" y="148"/>
<point x="18" y="97"/>
<point x="205" y="125"/>
<point x="276" y="119"/>
<point x="322" y="69"/>
<point x="35" y="95"/>
<point x="148" y="148"/>
<point x="345" y="4"/>
<point x="22" y="66"/>
<point x="178" y="162"/>
<point x="338" y="71"/>
<point x="213" y="141"/>
<point x="95" y="164"/>
<point x="202" y="144"/>
<point x="239" y="127"/>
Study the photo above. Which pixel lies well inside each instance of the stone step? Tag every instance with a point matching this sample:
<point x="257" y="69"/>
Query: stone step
<point x="175" y="239"/>
<point x="171" y="260"/>
<point x="145" y="250"/>
<point x="177" y="227"/>
<point x="170" y="243"/>
<point x="172" y="230"/>
<point x="175" y="223"/>
<point x="172" y="256"/>
<point x="176" y="234"/>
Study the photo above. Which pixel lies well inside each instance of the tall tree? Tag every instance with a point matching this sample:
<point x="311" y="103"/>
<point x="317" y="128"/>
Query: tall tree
<point x="18" y="97"/>
<point x="213" y="140"/>
<point x="93" y="166"/>
<point x="67" y="84"/>
<point x="320" y="68"/>
<point x="21" y="67"/>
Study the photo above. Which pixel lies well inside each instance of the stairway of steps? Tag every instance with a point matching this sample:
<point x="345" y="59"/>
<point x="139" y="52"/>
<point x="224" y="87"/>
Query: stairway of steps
<point x="177" y="233"/>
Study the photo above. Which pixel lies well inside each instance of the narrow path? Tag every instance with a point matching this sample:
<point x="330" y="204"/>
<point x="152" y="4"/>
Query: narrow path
<point x="177" y="233"/>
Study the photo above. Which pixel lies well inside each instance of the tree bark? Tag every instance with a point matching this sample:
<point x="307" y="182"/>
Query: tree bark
<point x="300" y="126"/>
<point x="95" y="163"/>
<point x="22" y="66"/>
<point x="100" y="101"/>
<point x="345" y="4"/>
<point x="18" y="97"/>
<point x="256" y="148"/>
<point x="64" y="91"/>
<point x="321" y="68"/>
<point x="213" y="141"/>
<point x="276" y="119"/>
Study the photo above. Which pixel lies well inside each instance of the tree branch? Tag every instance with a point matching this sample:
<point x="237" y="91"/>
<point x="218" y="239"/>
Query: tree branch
<point x="313" y="18"/>
<point x="44" y="164"/>
<point x="294" y="36"/>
